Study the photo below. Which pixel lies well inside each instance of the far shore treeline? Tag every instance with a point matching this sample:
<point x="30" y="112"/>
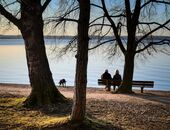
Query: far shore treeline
<point x="70" y="37"/>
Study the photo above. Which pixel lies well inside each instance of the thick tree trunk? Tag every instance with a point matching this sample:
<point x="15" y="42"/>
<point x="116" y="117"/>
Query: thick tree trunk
<point x="44" y="91"/>
<point x="126" y="85"/>
<point x="79" y="106"/>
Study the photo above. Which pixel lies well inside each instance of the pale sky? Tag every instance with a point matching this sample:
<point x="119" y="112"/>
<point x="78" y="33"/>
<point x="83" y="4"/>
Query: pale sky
<point x="71" y="29"/>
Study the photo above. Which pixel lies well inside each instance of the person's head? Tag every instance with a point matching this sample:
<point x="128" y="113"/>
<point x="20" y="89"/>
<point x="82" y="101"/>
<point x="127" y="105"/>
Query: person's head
<point x="117" y="71"/>
<point x="106" y="71"/>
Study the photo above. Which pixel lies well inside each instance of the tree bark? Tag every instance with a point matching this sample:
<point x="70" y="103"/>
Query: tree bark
<point x="132" y="21"/>
<point x="79" y="106"/>
<point x="126" y="85"/>
<point x="44" y="91"/>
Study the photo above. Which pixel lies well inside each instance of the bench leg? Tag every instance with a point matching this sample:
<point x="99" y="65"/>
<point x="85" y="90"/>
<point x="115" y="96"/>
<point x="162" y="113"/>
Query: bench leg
<point x="141" y="89"/>
<point x="109" y="87"/>
<point x="114" y="87"/>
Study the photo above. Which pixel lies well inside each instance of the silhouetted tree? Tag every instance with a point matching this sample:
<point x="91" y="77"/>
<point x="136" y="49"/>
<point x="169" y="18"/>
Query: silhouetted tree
<point x="135" y="19"/>
<point x="78" y="12"/>
<point x="30" y="23"/>
<point x="79" y="106"/>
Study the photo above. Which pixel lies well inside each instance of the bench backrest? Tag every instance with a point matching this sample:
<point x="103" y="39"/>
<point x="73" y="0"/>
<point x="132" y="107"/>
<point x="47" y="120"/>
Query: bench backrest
<point x="102" y="81"/>
<point x="105" y="82"/>
<point x="148" y="84"/>
<point x="145" y="84"/>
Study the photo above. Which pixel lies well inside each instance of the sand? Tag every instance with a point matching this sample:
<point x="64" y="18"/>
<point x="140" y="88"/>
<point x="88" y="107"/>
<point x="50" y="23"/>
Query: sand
<point x="140" y="111"/>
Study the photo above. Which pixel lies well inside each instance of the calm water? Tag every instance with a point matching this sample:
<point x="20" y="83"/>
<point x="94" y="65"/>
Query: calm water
<point x="13" y="68"/>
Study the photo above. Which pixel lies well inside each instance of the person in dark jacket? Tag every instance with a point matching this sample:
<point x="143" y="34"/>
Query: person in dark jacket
<point x="106" y="75"/>
<point x="117" y="78"/>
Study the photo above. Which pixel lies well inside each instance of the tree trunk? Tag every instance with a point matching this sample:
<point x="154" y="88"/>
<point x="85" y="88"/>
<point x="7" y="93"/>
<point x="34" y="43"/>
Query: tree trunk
<point x="126" y="85"/>
<point x="44" y="91"/>
<point x="79" y="106"/>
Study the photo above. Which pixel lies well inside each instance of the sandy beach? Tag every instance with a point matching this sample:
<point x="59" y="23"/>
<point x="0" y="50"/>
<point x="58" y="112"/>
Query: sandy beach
<point x="140" y="111"/>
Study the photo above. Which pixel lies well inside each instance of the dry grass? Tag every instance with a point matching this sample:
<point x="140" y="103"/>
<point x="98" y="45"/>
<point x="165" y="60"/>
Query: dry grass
<point x="105" y="111"/>
<point x="14" y="116"/>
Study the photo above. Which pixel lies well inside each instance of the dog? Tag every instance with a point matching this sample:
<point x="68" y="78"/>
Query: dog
<point x="62" y="82"/>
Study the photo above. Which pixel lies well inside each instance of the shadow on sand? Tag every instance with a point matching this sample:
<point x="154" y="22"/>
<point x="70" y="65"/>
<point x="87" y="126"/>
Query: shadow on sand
<point x="154" y="96"/>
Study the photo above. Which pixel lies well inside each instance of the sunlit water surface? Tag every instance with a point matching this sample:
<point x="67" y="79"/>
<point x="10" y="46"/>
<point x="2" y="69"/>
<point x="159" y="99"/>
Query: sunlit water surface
<point x="13" y="67"/>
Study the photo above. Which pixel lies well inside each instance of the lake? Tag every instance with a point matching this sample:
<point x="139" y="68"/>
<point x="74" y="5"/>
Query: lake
<point x="13" y="67"/>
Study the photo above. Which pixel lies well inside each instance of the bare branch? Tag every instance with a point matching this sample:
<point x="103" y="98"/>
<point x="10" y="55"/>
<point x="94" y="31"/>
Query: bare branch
<point x="106" y="33"/>
<point x="65" y="14"/>
<point x="161" y="42"/>
<point x="156" y="1"/>
<point x="149" y="23"/>
<point x="162" y="2"/>
<point x="154" y="30"/>
<point x="96" y="19"/>
<point x="102" y="44"/>
<point x="10" y="4"/>
<point x="145" y="4"/>
<point x="45" y="5"/>
<point x="128" y="12"/>
<point x="100" y="25"/>
<point x="112" y="16"/>
<point x="136" y="13"/>
<point x="113" y="27"/>
<point x="70" y="47"/>
<point x="67" y="19"/>
<point x="96" y="6"/>
<point x="61" y="20"/>
<point x="117" y="16"/>
<point x="9" y="16"/>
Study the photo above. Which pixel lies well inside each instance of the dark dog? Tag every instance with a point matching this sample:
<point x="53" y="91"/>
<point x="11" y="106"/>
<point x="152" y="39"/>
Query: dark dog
<point x="62" y="82"/>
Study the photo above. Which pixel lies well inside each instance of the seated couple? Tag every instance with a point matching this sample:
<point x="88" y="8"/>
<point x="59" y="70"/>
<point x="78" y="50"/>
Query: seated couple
<point x="116" y="77"/>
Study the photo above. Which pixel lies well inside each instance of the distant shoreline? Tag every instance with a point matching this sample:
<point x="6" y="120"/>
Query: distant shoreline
<point x="70" y="37"/>
<point x="47" y="37"/>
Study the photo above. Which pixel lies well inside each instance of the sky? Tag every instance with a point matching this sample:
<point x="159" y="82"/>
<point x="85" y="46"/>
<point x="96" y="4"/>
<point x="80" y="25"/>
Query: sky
<point x="72" y="28"/>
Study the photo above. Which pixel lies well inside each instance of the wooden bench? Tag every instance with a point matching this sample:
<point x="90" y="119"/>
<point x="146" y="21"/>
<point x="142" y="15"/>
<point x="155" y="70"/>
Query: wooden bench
<point x="141" y="84"/>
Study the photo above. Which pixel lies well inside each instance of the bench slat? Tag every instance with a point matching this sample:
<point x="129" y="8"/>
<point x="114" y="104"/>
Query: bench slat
<point x="146" y="84"/>
<point x="141" y="84"/>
